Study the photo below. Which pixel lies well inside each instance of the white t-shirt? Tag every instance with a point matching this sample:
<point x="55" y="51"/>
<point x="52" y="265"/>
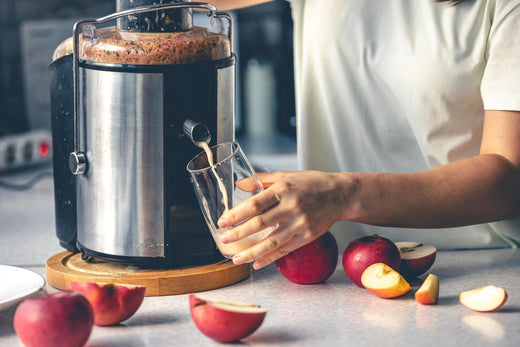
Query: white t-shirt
<point x="401" y="86"/>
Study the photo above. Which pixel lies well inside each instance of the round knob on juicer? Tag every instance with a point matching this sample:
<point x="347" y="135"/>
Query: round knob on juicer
<point x="77" y="163"/>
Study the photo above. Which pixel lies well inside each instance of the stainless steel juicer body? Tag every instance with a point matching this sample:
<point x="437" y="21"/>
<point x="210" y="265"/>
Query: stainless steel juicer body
<point x="134" y="199"/>
<point x="130" y="125"/>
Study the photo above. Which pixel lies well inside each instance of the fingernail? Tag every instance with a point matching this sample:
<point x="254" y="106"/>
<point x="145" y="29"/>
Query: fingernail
<point x="237" y="259"/>
<point x="257" y="265"/>
<point x="224" y="238"/>
<point x="222" y="222"/>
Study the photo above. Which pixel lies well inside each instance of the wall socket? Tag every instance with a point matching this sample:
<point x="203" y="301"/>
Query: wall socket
<point x="25" y="149"/>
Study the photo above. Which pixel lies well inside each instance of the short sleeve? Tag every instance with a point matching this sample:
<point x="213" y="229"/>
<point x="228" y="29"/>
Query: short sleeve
<point x="500" y="86"/>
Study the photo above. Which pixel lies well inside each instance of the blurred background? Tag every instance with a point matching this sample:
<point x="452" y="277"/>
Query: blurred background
<point x="30" y="30"/>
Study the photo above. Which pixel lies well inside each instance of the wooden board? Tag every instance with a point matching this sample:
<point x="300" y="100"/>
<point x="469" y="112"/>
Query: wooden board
<point x="66" y="266"/>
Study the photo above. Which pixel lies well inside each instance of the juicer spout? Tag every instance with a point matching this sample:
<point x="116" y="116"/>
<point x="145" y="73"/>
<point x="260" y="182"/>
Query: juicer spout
<point x="196" y="132"/>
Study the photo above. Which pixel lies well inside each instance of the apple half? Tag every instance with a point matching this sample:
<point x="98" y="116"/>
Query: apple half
<point x="486" y="299"/>
<point x="428" y="293"/>
<point x="111" y="303"/>
<point x="416" y="258"/>
<point x="225" y="320"/>
<point x="383" y="281"/>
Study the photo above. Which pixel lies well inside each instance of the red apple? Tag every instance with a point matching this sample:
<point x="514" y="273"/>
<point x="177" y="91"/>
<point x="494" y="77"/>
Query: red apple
<point x="60" y="319"/>
<point x="112" y="303"/>
<point x="311" y="263"/>
<point x="485" y="299"/>
<point x="416" y="258"/>
<point x="368" y="250"/>
<point x="383" y="281"/>
<point x="225" y="320"/>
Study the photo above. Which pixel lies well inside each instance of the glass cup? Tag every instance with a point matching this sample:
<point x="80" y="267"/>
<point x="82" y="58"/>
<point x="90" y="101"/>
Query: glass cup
<point x="216" y="190"/>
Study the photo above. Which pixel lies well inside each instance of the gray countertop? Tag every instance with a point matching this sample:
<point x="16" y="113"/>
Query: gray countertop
<point x="336" y="313"/>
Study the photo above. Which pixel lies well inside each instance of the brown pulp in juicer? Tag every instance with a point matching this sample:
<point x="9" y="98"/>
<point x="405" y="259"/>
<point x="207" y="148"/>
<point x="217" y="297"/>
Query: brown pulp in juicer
<point x="122" y="47"/>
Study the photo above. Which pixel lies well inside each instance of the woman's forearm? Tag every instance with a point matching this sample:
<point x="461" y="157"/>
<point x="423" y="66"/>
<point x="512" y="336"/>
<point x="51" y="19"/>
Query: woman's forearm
<point x="471" y="191"/>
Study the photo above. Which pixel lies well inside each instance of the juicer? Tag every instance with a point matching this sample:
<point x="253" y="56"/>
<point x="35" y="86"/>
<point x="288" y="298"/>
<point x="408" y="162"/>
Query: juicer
<point x="128" y="93"/>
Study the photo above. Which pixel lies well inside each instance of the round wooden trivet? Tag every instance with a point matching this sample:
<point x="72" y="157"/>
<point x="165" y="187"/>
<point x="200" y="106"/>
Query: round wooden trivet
<point x="66" y="266"/>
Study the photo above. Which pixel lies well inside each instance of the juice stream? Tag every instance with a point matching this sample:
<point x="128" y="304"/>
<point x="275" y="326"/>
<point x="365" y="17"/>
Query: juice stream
<point x="221" y="186"/>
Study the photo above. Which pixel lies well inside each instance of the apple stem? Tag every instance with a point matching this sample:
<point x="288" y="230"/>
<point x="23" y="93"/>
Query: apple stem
<point x="200" y="303"/>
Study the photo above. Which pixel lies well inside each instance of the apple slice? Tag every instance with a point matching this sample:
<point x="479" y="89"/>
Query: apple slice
<point x="416" y="258"/>
<point x="112" y="303"/>
<point x="485" y="299"/>
<point x="368" y="250"/>
<point x="225" y="320"/>
<point x="383" y="281"/>
<point x="428" y="293"/>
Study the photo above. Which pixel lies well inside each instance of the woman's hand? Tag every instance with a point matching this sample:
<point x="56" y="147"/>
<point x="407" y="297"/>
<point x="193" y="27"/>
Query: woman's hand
<point x="302" y="205"/>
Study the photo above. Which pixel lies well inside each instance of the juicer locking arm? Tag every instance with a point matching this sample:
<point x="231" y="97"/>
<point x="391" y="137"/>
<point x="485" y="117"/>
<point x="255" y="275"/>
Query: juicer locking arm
<point x="78" y="159"/>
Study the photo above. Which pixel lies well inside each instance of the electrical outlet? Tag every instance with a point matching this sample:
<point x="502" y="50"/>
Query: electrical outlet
<point x="25" y="149"/>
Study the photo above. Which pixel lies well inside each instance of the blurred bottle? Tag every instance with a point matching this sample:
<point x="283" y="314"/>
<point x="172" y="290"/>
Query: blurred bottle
<point x="260" y="98"/>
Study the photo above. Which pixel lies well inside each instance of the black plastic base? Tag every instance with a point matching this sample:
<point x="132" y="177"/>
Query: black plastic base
<point x="150" y="262"/>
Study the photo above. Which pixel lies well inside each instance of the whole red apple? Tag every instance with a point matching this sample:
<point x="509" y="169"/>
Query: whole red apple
<point x="112" y="303"/>
<point x="312" y="263"/>
<point x="225" y="320"/>
<point x="60" y="319"/>
<point x="368" y="250"/>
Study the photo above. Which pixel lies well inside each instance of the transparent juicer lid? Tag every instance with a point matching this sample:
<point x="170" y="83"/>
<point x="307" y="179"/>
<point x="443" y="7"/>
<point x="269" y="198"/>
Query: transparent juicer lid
<point x="101" y="41"/>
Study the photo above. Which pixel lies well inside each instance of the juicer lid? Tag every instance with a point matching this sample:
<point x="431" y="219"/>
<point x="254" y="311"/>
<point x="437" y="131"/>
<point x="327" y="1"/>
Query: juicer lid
<point x="99" y="43"/>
